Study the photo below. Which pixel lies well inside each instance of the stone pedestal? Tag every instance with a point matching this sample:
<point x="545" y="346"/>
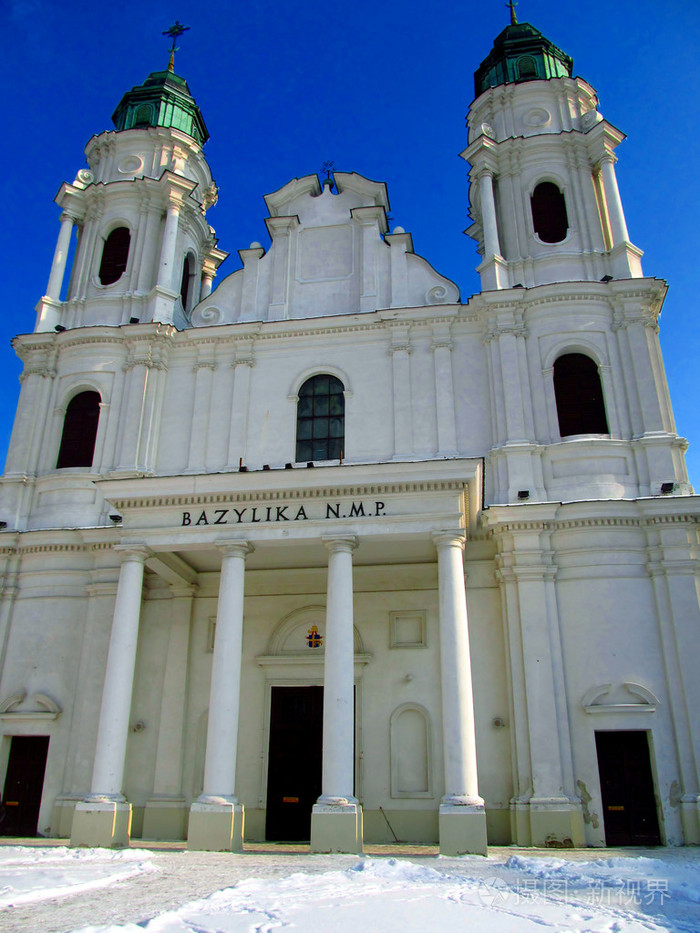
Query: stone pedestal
<point x="336" y="827"/>
<point x="101" y="823"/>
<point x="556" y="822"/>
<point x="690" y="819"/>
<point x="462" y="830"/>
<point x="165" y="818"/>
<point x="216" y="827"/>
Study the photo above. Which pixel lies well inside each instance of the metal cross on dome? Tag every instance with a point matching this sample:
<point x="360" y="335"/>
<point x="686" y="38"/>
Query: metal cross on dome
<point x="513" y="18"/>
<point x="174" y="32"/>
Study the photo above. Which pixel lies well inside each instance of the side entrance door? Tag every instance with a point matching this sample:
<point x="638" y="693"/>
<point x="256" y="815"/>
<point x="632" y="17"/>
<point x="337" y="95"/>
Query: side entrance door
<point x="294" y="762"/>
<point x="627" y="787"/>
<point x="24" y="782"/>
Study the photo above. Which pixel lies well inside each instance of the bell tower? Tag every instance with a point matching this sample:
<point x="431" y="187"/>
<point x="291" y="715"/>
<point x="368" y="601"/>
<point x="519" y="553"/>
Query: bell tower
<point x="145" y="251"/>
<point x="579" y="398"/>
<point x="545" y="202"/>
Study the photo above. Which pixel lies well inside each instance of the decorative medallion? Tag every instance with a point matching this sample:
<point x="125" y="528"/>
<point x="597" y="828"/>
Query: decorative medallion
<point x="313" y="638"/>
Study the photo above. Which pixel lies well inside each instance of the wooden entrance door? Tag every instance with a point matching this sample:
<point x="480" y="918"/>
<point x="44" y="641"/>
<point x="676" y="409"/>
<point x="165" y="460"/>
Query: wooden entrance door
<point x="23" y="785"/>
<point x="627" y="787"/>
<point x="294" y="762"/>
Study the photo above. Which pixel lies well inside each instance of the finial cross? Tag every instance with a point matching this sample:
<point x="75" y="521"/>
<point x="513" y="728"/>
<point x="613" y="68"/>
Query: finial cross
<point x="513" y="18"/>
<point x="328" y="168"/>
<point x="174" y="32"/>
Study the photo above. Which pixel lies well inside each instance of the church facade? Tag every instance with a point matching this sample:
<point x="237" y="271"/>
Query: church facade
<point x="326" y="553"/>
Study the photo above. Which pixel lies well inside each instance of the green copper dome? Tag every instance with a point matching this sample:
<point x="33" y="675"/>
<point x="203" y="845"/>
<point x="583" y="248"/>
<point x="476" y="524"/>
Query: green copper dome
<point x="521" y="53"/>
<point x="162" y="100"/>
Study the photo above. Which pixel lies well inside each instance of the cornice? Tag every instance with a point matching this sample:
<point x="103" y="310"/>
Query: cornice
<point x="277" y="495"/>
<point x="50" y="548"/>
<point x="567" y="524"/>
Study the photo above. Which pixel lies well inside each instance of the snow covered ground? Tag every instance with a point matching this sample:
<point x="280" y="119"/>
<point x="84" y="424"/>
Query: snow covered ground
<point x="512" y="891"/>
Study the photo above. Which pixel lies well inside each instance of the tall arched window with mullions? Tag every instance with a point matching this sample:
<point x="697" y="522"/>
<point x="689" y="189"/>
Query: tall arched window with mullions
<point x="321" y="419"/>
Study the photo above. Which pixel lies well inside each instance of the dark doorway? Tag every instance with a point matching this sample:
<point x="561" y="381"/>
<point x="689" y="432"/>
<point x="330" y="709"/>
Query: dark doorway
<point x="294" y="762"/>
<point x="23" y="785"/>
<point x="627" y="787"/>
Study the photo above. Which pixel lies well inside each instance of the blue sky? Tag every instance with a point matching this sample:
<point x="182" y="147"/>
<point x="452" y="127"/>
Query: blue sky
<point x="379" y="88"/>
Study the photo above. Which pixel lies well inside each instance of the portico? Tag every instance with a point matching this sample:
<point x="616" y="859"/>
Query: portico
<point x="286" y="527"/>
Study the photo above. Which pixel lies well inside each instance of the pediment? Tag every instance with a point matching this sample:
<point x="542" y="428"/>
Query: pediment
<point x="331" y="253"/>
<point x="628" y="697"/>
<point x="29" y="706"/>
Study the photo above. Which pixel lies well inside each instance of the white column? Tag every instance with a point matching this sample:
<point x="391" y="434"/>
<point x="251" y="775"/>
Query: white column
<point x="60" y="256"/>
<point x="224" y="698"/>
<point x="618" y="227"/>
<point x="488" y="215"/>
<point x="167" y="252"/>
<point x="216" y="818"/>
<point x="461" y="785"/>
<point x="336" y="820"/>
<point x="462" y="814"/>
<point x="207" y="282"/>
<point x="339" y="676"/>
<point x="113" y="729"/>
<point x="104" y="817"/>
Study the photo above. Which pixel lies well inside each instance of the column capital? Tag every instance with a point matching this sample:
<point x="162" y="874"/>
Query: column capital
<point x="234" y="547"/>
<point x="483" y="171"/>
<point x="135" y="552"/>
<point x="335" y="543"/>
<point x="450" y="538"/>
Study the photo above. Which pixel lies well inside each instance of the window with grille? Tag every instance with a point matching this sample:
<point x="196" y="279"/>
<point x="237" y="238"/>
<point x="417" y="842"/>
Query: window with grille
<point x="79" y="431"/>
<point x="320" y="419"/>
<point x="114" y="255"/>
<point x="579" y="396"/>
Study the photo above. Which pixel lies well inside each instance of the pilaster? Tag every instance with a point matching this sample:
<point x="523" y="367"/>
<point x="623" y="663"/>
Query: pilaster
<point x="546" y="809"/>
<point x="400" y="352"/>
<point x="165" y="813"/>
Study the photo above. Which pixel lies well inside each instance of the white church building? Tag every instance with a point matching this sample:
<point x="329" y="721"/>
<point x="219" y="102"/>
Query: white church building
<point x="326" y="553"/>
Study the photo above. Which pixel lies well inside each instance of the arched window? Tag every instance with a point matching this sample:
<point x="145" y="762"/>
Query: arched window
<point x="549" y="213"/>
<point x="187" y="283"/>
<point x="579" y="396"/>
<point x="527" y="68"/>
<point x="114" y="255"/>
<point x="320" y="419"/>
<point x="143" y="115"/>
<point x="79" y="431"/>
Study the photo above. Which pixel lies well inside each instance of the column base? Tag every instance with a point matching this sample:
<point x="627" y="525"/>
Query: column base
<point x="161" y="304"/>
<point x="336" y="827"/>
<point x="556" y="822"/>
<point x="462" y="830"/>
<point x="216" y="827"/>
<point x="101" y="824"/>
<point x="626" y="261"/>
<point x="494" y="273"/>
<point x="164" y="818"/>
<point x="48" y="314"/>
